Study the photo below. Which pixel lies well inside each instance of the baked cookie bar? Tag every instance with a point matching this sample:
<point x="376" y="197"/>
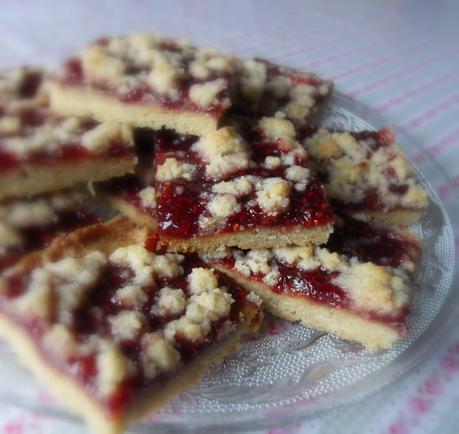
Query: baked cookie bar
<point x="147" y="81"/>
<point x="357" y="286"/>
<point x="40" y="151"/>
<point x="115" y="330"/>
<point x="367" y="175"/>
<point x="250" y="188"/>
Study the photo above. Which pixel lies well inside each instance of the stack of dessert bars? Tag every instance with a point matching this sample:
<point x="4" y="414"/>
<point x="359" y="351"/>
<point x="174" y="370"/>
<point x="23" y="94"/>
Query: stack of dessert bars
<point x="232" y="200"/>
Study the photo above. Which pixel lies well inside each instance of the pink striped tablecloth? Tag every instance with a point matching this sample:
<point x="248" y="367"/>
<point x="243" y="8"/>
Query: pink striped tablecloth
<point x="399" y="57"/>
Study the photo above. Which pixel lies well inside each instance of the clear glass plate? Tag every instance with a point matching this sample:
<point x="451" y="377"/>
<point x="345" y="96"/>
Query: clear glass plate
<point x="287" y="373"/>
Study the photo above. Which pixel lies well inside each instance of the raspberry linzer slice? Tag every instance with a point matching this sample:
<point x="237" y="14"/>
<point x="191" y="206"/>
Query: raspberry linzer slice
<point x="147" y="81"/>
<point x="366" y="174"/>
<point x="266" y="89"/>
<point x="115" y="330"/>
<point x="354" y="300"/>
<point x="251" y="190"/>
<point x="30" y="225"/>
<point x="356" y="286"/>
<point x="40" y="151"/>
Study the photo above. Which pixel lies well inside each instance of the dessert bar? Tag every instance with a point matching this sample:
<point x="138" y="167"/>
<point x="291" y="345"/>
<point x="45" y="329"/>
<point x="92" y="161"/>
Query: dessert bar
<point x="357" y="286"/>
<point x="115" y="330"/>
<point x="233" y="187"/>
<point x="366" y="174"/>
<point x="41" y="152"/>
<point x="147" y="81"/>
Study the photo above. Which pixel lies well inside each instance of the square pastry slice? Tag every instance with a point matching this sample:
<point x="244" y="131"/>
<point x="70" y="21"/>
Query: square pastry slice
<point x="27" y="225"/>
<point x="344" y="294"/>
<point x="115" y="330"/>
<point x="147" y="81"/>
<point x="367" y="175"/>
<point x="251" y="189"/>
<point x="266" y="89"/>
<point x="40" y="151"/>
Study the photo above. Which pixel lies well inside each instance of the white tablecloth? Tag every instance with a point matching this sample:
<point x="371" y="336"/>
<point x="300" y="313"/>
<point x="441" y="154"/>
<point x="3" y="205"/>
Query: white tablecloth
<point x="400" y="57"/>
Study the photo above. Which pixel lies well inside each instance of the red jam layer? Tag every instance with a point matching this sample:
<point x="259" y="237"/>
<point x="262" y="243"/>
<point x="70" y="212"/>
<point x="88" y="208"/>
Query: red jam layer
<point x="316" y="286"/>
<point x="145" y="94"/>
<point x="92" y="318"/>
<point x="39" y="237"/>
<point x="180" y="204"/>
<point x="371" y="243"/>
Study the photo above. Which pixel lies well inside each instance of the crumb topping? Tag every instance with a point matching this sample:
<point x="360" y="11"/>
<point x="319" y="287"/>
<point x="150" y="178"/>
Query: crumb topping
<point x="173" y="169"/>
<point x="277" y="128"/>
<point x="113" y="368"/>
<point x="240" y="186"/>
<point x="100" y="138"/>
<point x="131" y="297"/>
<point x="356" y="168"/>
<point x="148" y="197"/>
<point x="205" y="95"/>
<point x="158" y="355"/>
<point x="224" y="151"/>
<point x="127" y="325"/>
<point x="171" y="301"/>
<point x="201" y="280"/>
<point x="223" y="205"/>
<point x="273" y="195"/>
<point x="139" y="259"/>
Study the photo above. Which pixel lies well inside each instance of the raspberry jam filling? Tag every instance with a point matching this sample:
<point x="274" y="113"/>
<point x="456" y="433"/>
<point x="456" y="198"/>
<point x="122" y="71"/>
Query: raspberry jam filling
<point x="38" y="237"/>
<point x="100" y="303"/>
<point x="369" y="242"/>
<point x="181" y="204"/>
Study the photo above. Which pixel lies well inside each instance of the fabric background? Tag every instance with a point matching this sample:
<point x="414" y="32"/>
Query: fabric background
<point x="399" y="57"/>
